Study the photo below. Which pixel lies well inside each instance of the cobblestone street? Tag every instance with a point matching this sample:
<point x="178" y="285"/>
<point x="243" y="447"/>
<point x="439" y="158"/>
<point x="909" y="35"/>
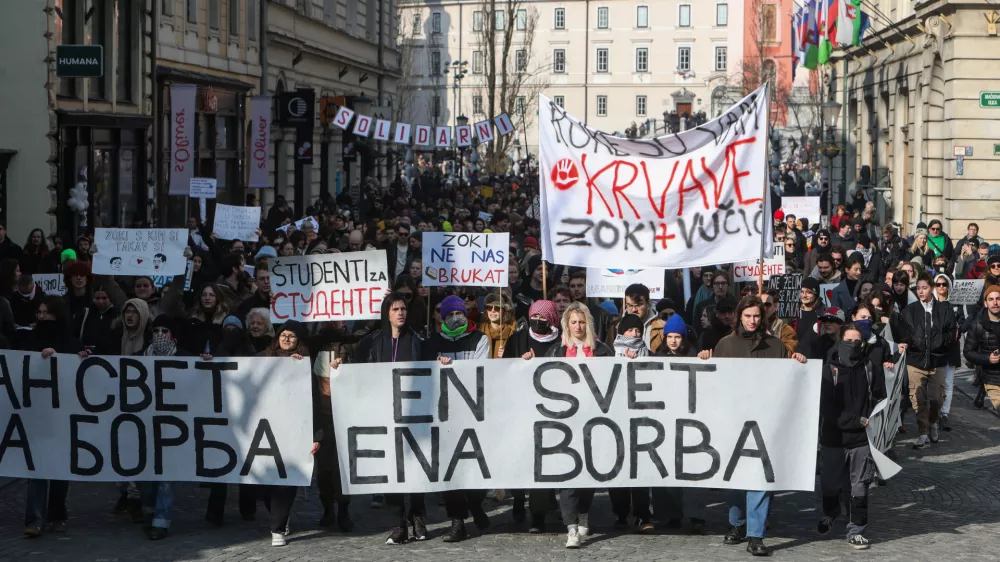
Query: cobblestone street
<point x="945" y="505"/>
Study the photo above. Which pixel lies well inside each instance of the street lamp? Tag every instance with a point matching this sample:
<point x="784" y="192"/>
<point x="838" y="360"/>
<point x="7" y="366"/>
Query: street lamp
<point x="831" y="112"/>
<point x="462" y="120"/>
<point x="363" y="104"/>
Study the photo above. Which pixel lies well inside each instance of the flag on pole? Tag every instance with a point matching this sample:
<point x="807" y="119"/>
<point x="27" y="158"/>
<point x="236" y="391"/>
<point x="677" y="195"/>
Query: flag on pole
<point x="827" y="29"/>
<point x="864" y="22"/>
<point x="847" y="20"/>
<point x="798" y="55"/>
<point x="810" y="36"/>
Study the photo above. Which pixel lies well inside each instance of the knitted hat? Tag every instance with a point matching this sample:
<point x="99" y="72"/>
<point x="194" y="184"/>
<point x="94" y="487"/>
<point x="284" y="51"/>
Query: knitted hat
<point x="452" y="304"/>
<point x="266" y="252"/>
<point x="165" y="321"/>
<point x="232" y="321"/>
<point x="675" y="325"/>
<point x="779" y="214"/>
<point x="990" y="289"/>
<point x="610" y="307"/>
<point x="833" y="313"/>
<point x="920" y="231"/>
<point x="665" y="304"/>
<point x="628" y="322"/>
<point x="530" y="242"/>
<point x="811" y="283"/>
<point x="547" y="310"/>
<point x="725" y="304"/>
<point x="994" y="258"/>
<point x="67" y="254"/>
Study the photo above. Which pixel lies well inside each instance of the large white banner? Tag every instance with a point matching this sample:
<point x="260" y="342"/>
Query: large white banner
<point x="236" y="420"/>
<point x="570" y="423"/>
<point x="236" y="223"/>
<point x="611" y="283"/>
<point x="260" y="142"/>
<point x="182" y="147"/>
<point x="692" y="199"/>
<point x="328" y="287"/>
<point x="465" y="259"/>
<point x="140" y="251"/>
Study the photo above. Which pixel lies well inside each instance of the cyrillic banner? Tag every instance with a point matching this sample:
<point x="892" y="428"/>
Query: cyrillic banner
<point x="179" y="419"/>
<point x="260" y="142"/>
<point x="572" y="423"/>
<point x="465" y="259"/>
<point x="328" y="287"/>
<point x="182" y="148"/>
<point x="687" y="200"/>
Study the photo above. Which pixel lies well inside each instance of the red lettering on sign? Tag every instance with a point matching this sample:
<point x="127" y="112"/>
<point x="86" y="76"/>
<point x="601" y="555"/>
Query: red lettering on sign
<point x="697" y="186"/>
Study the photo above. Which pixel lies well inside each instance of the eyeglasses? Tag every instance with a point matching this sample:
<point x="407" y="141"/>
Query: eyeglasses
<point x="161" y="331"/>
<point x="494" y="308"/>
<point x="935" y="229"/>
<point x="286" y="336"/>
<point x="824" y="237"/>
<point x="721" y="283"/>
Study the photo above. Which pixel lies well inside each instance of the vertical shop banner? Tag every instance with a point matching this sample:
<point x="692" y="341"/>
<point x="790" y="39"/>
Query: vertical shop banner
<point x="611" y="283"/>
<point x="693" y="199"/>
<point x="470" y="260"/>
<point x="182" y="146"/>
<point x="298" y="109"/>
<point x="260" y="142"/>
<point x="328" y="287"/>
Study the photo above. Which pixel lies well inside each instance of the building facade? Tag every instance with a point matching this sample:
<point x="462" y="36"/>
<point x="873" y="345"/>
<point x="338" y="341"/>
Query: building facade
<point x="914" y="96"/>
<point x="767" y="52"/>
<point x="612" y="63"/>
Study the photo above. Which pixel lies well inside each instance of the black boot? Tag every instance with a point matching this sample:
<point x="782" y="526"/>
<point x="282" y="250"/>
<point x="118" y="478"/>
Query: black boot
<point x="329" y="518"/>
<point x="457" y="532"/>
<point x="756" y="547"/>
<point x="537" y="523"/>
<point x="518" y="511"/>
<point x="344" y="520"/>
<point x="736" y="535"/>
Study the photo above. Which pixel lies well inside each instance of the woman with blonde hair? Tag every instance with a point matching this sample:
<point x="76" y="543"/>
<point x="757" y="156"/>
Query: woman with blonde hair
<point x="578" y="341"/>
<point x="920" y="249"/>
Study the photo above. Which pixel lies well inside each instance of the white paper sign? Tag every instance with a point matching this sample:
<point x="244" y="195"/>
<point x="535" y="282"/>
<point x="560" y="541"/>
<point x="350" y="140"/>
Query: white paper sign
<point x="236" y="223"/>
<point x="203" y="188"/>
<point x="611" y="283"/>
<point x="750" y="270"/>
<point x="328" y="287"/>
<point x="140" y="251"/>
<point x="746" y="424"/>
<point x="802" y="207"/>
<point x="826" y="293"/>
<point x="966" y="291"/>
<point x="236" y="420"/>
<point x="687" y="200"/>
<point x="50" y="283"/>
<point x="465" y="259"/>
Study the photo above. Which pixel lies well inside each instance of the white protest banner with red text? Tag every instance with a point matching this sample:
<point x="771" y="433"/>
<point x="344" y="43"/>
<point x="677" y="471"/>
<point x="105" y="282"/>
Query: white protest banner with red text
<point x="260" y="141"/>
<point x="155" y="418"/>
<point x="328" y="287"/>
<point x="598" y="422"/>
<point x="182" y="149"/>
<point x="750" y="270"/>
<point x="465" y="259"/>
<point x="687" y="200"/>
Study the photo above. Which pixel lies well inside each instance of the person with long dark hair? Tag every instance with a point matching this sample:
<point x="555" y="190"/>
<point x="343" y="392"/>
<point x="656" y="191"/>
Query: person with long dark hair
<point x="35" y="258"/>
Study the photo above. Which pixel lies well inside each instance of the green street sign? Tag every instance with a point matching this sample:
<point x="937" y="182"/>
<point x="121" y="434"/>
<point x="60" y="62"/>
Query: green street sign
<point x="79" y="61"/>
<point x="989" y="99"/>
<point x="996" y="150"/>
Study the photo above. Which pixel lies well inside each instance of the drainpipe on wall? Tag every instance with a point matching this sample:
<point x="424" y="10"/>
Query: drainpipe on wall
<point x="266" y="195"/>
<point x="154" y="213"/>
<point x="586" y="68"/>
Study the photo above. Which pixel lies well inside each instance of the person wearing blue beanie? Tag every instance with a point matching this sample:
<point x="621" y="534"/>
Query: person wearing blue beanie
<point x="675" y="325"/>
<point x="610" y="307"/>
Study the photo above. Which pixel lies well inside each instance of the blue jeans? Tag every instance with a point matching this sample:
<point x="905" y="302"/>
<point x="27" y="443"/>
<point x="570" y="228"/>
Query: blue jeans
<point x="158" y="501"/>
<point x="754" y="515"/>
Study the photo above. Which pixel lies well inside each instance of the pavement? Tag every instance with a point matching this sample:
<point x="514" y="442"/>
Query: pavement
<point x="943" y="506"/>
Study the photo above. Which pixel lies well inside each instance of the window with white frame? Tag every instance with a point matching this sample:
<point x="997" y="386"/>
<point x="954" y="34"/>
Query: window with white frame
<point x="418" y="24"/>
<point x="602" y="59"/>
<point x="642" y="59"/>
<point x="640" y="106"/>
<point x="722" y="14"/>
<point x="642" y="17"/>
<point x="559" y="61"/>
<point x="721" y="58"/>
<point x="477" y="104"/>
<point x="501" y="20"/>
<point x="522" y="20"/>
<point x="559" y="20"/>
<point x="521" y="60"/>
<point x="560" y="100"/>
<point x="436" y="22"/>
<point x="602" y="106"/>
<point x="477" y="62"/>
<point x="602" y="17"/>
<point x="436" y="62"/>
<point x="684" y="59"/>
<point x="684" y="15"/>
<point x="477" y="21"/>
<point x="519" y="105"/>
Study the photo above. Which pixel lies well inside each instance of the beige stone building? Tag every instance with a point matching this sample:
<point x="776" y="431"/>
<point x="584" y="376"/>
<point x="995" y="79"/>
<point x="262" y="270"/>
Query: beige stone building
<point x="610" y="62"/>
<point x="913" y="102"/>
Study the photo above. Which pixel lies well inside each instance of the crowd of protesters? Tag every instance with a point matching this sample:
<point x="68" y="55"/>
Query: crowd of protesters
<point x="891" y="296"/>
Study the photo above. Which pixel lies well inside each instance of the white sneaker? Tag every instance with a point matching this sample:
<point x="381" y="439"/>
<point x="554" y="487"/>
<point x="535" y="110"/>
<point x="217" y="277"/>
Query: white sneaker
<point x="583" y="532"/>
<point x="934" y="434"/>
<point x="573" y="539"/>
<point x="858" y="542"/>
<point x="277" y="539"/>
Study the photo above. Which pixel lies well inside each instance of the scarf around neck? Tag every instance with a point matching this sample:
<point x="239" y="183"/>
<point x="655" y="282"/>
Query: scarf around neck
<point x="623" y="344"/>
<point x="544" y="338"/>
<point x="162" y="345"/>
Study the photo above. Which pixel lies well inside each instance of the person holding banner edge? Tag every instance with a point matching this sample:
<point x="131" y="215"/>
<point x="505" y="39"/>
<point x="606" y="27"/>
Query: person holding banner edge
<point x="748" y="511"/>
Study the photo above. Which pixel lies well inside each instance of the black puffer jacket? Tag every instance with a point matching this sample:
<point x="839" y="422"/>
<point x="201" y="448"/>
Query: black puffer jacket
<point x="929" y="337"/>
<point x="847" y="394"/>
<point x="980" y="342"/>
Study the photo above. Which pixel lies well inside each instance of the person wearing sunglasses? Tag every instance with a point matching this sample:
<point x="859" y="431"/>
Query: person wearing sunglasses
<point x="400" y="255"/>
<point x="942" y="290"/>
<point x="939" y="242"/>
<point x="793" y="259"/>
<point x="500" y="324"/>
<point x="821" y="245"/>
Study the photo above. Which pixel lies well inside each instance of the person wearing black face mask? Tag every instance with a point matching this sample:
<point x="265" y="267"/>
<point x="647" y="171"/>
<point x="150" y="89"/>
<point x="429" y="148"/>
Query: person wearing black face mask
<point x="852" y="384"/>
<point x="534" y="340"/>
